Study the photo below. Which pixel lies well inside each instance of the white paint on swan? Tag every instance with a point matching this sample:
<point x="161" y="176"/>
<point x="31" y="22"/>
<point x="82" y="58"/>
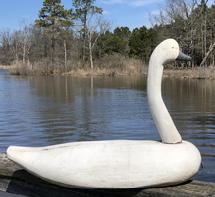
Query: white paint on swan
<point x="111" y="164"/>
<point x="120" y="163"/>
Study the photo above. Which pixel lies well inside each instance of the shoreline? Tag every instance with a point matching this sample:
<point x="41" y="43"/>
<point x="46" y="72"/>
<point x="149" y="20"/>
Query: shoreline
<point x="191" y="73"/>
<point x="103" y="72"/>
<point x="5" y="67"/>
<point x="187" y="73"/>
<point x="195" y="73"/>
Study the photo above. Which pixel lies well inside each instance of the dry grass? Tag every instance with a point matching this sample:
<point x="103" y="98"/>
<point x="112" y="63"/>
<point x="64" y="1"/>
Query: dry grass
<point x="5" y="67"/>
<point x="114" y="65"/>
<point x="195" y="73"/>
<point x="39" y="68"/>
<point x="96" y="72"/>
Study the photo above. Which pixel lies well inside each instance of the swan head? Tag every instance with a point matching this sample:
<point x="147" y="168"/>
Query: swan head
<point x="168" y="51"/>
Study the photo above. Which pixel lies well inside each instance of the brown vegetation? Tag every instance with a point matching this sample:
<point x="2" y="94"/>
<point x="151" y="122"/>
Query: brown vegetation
<point x="112" y="65"/>
<point x="59" y="43"/>
<point x="115" y="65"/>
<point x="195" y="73"/>
<point x="4" y="66"/>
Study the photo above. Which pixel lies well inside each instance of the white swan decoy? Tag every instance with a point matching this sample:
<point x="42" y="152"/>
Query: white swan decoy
<point x="121" y="163"/>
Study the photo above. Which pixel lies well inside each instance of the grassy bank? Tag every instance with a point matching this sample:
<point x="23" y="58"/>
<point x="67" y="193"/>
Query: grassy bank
<point x="195" y="73"/>
<point x="106" y="66"/>
<point x="5" y="67"/>
<point x="111" y="66"/>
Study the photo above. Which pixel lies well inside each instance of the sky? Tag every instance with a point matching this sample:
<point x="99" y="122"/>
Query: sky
<point x="131" y="13"/>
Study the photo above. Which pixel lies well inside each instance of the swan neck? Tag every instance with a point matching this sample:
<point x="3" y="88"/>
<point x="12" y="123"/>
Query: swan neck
<point x="162" y="119"/>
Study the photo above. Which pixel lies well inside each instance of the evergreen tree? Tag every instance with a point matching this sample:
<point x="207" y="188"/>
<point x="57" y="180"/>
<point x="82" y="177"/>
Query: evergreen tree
<point x="55" y="20"/>
<point x="122" y="32"/>
<point x="84" y="9"/>
<point x="116" y="42"/>
<point x="140" y="43"/>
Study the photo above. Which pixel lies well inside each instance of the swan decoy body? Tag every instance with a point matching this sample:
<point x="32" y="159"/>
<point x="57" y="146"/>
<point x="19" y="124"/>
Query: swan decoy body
<point x="121" y="163"/>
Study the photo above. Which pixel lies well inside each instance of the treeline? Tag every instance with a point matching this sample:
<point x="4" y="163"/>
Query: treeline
<point x="64" y="39"/>
<point x="192" y="23"/>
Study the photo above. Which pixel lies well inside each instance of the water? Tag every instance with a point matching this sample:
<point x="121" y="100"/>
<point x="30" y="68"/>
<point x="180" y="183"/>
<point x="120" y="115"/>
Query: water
<point x="38" y="111"/>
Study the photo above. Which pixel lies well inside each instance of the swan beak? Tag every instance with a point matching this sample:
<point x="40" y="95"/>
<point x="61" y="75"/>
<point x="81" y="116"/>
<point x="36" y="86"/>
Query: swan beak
<point x="183" y="57"/>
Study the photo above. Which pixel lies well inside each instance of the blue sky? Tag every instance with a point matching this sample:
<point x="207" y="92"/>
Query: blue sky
<point x="131" y="13"/>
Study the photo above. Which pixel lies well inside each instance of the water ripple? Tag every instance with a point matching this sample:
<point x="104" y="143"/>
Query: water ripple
<point x="50" y="110"/>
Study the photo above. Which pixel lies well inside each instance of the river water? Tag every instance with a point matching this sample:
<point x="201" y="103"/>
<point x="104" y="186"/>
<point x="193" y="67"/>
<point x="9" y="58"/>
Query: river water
<point x="38" y="111"/>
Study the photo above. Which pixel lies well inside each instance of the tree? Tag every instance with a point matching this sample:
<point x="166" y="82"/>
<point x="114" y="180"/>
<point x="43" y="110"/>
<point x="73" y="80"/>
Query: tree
<point x="110" y="43"/>
<point x="94" y="31"/>
<point x="26" y="42"/>
<point x="188" y="22"/>
<point x="6" y="56"/>
<point x="211" y="31"/>
<point x="115" y="42"/>
<point x="16" y="45"/>
<point x="84" y="10"/>
<point x="141" y="43"/>
<point x="54" y="19"/>
<point x="123" y="34"/>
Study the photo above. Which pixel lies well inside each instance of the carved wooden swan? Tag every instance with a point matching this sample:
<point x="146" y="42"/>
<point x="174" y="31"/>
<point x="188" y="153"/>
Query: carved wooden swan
<point x="121" y="163"/>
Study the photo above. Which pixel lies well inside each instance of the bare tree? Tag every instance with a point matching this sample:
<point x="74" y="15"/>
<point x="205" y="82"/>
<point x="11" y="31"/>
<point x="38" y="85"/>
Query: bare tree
<point x="26" y="42"/>
<point x="187" y="21"/>
<point x="95" y="28"/>
<point x="16" y="45"/>
<point x="84" y="10"/>
<point x="5" y="43"/>
<point x="208" y="53"/>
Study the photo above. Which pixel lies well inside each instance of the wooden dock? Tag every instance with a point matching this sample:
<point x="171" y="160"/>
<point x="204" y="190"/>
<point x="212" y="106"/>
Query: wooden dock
<point x="15" y="180"/>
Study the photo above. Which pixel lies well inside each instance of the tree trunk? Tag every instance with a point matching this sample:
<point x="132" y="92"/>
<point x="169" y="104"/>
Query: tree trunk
<point x="52" y="51"/>
<point x="16" y="54"/>
<point x="91" y="61"/>
<point x="28" y="58"/>
<point x="208" y="54"/>
<point x="24" y="54"/>
<point x="204" y="29"/>
<point x="213" y="60"/>
<point x="45" y="48"/>
<point x="65" y="54"/>
<point x="91" y="51"/>
<point x="84" y="36"/>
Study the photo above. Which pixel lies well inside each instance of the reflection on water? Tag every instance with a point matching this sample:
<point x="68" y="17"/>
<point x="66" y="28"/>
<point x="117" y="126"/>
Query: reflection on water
<point x="37" y="111"/>
<point x="192" y="105"/>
